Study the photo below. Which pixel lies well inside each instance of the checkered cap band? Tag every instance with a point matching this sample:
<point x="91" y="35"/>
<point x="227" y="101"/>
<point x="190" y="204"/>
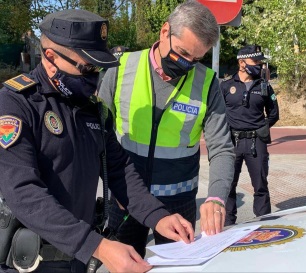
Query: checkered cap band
<point x="247" y="56"/>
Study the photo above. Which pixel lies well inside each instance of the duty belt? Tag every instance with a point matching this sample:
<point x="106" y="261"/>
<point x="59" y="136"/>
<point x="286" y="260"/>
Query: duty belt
<point x="50" y="253"/>
<point x="244" y="134"/>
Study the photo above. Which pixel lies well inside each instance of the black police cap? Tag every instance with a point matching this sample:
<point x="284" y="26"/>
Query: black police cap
<point x="251" y="52"/>
<point x="83" y="31"/>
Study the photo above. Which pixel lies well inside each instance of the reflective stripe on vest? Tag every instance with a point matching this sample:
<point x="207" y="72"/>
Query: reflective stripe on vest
<point x="180" y="128"/>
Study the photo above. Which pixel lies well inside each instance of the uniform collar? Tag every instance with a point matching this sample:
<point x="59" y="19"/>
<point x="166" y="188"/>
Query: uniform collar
<point x="157" y="69"/>
<point x="41" y="75"/>
<point x="236" y="78"/>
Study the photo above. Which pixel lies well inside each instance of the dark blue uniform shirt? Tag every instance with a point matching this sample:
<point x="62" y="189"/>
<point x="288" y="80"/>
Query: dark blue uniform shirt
<point x="259" y="107"/>
<point x="50" y="180"/>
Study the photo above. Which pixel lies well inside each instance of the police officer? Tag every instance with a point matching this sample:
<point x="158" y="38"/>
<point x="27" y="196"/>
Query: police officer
<point x="251" y="109"/>
<point x="164" y="99"/>
<point x="52" y="136"/>
<point x="117" y="51"/>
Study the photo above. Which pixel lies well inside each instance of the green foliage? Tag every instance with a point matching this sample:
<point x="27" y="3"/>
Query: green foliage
<point x="105" y="8"/>
<point x="14" y="20"/>
<point x="279" y="27"/>
<point x="156" y="14"/>
<point x="123" y="28"/>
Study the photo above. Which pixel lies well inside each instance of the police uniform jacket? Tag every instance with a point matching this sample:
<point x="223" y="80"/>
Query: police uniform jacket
<point x="259" y="108"/>
<point x="49" y="178"/>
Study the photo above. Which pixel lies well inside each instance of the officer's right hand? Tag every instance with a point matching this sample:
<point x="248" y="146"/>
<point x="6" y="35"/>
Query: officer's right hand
<point x="118" y="257"/>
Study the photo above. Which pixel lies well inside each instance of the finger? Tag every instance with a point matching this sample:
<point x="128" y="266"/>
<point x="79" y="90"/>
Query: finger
<point x="187" y="226"/>
<point x="138" y="264"/>
<point x="218" y="215"/>
<point x="211" y="229"/>
<point x="203" y="217"/>
<point x="209" y="221"/>
<point x="139" y="267"/>
<point x="180" y="234"/>
<point x="136" y="257"/>
<point x="180" y="225"/>
<point x="223" y="219"/>
<point x="190" y="232"/>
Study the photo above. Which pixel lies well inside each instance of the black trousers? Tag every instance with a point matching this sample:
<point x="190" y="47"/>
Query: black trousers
<point x="258" y="168"/>
<point x="134" y="234"/>
<point x="73" y="266"/>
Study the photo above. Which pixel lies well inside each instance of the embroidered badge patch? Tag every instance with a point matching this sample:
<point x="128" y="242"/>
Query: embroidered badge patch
<point x="53" y="123"/>
<point x="10" y="128"/>
<point x="104" y="31"/>
<point x="273" y="97"/>
<point x="233" y="90"/>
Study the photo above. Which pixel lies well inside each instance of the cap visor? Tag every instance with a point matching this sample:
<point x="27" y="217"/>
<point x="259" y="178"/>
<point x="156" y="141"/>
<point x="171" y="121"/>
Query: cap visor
<point x="99" y="58"/>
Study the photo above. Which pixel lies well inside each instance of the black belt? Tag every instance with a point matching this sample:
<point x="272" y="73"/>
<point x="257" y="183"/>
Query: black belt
<point x="50" y="253"/>
<point x="244" y="134"/>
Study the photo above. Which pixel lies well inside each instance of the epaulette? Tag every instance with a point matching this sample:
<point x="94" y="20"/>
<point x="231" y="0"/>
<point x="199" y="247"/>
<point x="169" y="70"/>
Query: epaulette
<point x="20" y="82"/>
<point x="227" y="78"/>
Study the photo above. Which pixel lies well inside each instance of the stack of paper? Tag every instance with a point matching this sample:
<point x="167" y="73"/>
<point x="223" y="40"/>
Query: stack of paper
<point x="201" y="250"/>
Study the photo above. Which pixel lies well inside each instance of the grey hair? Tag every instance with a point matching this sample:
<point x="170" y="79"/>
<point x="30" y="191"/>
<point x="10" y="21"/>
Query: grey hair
<point x="198" y="19"/>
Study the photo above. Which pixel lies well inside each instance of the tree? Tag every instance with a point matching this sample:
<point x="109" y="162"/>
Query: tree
<point x="122" y="27"/>
<point x="278" y="26"/>
<point x="150" y="16"/>
<point x="15" y="21"/>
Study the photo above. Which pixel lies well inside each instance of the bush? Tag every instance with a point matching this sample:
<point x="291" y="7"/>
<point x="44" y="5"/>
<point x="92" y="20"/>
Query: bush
<point x="7" y="72"/>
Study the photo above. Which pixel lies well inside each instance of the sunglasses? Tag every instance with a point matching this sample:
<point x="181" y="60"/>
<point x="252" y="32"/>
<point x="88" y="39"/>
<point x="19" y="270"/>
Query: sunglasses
<point x="245" y="98"/>
<point x="83" y="68"/>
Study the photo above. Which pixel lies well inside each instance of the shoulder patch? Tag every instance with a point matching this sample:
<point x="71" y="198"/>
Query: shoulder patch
<point x="20" y="82"/>
<point x="273" y="97"/>
<point x="10" y="129"/>
<point x="227" y="78"/>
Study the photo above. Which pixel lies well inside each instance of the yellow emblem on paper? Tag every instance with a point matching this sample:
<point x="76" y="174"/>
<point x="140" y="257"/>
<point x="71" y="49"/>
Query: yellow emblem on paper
<point x="267" y="236"/>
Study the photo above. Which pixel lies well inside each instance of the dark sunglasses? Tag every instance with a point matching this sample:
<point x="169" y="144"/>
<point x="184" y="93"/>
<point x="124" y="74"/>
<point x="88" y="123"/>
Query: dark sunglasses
<point x="245" y="98"/>
<point x="83" y="68"/>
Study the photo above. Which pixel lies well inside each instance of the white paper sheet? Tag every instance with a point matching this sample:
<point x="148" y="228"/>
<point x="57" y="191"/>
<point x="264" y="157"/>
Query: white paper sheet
<point x="202" y="249"/>
<point x="156" y="260"/>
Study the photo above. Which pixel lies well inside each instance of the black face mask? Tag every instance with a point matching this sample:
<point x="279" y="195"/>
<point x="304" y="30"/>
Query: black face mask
<point x="253" y="70"/>
<point x="175" y="65"/>
<point x="76" y="86"/>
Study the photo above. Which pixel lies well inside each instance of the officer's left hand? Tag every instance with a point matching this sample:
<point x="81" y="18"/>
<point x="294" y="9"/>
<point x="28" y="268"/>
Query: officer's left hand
<point x="176" y="228"/>
<point x="212" y="218"/>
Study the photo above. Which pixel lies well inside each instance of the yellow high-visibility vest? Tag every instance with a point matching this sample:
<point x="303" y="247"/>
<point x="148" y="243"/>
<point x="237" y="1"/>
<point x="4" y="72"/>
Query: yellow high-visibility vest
<point x="181" y="125"/>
